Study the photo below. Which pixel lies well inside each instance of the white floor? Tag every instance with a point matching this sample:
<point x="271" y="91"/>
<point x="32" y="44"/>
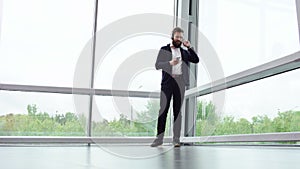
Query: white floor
<point x="145" y="157"/>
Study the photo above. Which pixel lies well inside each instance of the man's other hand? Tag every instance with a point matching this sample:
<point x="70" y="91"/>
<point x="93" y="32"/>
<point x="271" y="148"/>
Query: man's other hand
<point x="174" y="61"/>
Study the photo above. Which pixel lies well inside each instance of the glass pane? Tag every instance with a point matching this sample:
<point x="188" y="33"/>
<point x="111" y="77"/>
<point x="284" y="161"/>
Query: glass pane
<point x="265" y="106"/>
<point x="41" y="114"/>
<point x="124" y="69"/>
<point x="127" y="43"/>
<point x="1" y="16"/>
<point x="122" y="116"/>
<point x="41" y="41"/>
<point x="123" y="9"/>
<point x="247" y="33"/>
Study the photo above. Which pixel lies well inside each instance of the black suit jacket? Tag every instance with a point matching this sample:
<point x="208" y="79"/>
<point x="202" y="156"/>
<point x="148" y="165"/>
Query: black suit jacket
<point x="165" y="55"/>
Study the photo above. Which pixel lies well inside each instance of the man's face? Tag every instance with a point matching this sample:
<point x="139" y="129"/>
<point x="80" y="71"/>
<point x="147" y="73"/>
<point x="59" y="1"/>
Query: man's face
<point x="177" y="39"/>
<point x="178" y="36"/>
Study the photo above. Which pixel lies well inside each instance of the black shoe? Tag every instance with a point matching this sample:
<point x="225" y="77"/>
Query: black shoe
<point x="157" y="142"/>
<point x="176" y="142"/>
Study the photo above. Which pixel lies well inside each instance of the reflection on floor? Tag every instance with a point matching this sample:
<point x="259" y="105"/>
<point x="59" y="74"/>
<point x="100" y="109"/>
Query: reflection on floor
<point x="144" y="157"/>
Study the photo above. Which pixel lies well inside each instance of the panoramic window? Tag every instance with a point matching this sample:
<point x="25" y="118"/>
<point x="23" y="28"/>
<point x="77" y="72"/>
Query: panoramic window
<point x="247" y="33"/>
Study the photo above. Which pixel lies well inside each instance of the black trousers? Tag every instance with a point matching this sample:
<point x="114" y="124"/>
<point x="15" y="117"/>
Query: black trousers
<point x="175" y="88"/>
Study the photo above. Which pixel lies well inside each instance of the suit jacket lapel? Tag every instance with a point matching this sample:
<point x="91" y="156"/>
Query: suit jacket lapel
<point x="183" y="55"/>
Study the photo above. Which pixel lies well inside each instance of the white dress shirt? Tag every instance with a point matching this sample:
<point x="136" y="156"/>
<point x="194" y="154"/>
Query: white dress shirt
<point x="176" y="70"/>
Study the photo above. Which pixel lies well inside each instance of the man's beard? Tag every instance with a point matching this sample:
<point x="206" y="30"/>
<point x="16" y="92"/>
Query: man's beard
<point x="176" y="43"/>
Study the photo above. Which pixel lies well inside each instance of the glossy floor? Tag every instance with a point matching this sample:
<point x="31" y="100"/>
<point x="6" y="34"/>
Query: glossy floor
<point x="145" y="157"/>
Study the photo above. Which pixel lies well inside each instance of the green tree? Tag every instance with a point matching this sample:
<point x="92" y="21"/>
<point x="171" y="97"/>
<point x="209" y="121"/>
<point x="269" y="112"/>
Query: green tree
<point x="262" y="124"/>
<point x="295" y="122"/>
<point x="282" y="122"/>
<point x="207" y="118"/>
<point x="31" y="109"/>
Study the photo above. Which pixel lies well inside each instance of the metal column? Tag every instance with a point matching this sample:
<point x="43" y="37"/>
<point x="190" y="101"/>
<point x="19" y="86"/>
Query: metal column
<point x="89" y="124"/>
<point x="188" y="21"/>
<point x="298" y="16"/>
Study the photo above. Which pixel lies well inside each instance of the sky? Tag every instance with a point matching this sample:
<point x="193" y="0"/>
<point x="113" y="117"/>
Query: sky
<point x="41" y="42"/>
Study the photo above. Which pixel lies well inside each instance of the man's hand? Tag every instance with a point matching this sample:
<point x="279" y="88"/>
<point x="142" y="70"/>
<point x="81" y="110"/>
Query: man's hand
<point x="174" y="61"/>
<point x="187" y="44"/>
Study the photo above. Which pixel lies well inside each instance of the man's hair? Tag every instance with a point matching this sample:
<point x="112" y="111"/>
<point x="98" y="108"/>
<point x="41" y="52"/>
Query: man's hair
<point x="177" y="29"/>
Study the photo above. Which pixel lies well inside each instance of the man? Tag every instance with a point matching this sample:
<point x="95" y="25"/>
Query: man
<point x="174" y="62"/>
